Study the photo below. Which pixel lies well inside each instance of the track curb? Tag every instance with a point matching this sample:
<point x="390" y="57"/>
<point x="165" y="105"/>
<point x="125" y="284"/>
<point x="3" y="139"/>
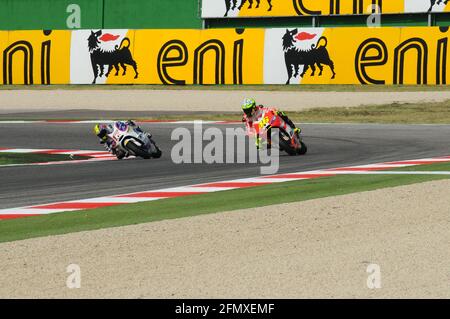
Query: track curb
<point x="120" y="199"/>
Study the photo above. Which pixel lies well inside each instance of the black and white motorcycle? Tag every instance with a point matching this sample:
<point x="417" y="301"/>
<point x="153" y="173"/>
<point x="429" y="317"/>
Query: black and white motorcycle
<point x="129" y="139"/>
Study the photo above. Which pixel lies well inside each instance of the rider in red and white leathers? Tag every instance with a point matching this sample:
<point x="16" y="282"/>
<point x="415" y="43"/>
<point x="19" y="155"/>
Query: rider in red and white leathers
<point x="253" y="113"/>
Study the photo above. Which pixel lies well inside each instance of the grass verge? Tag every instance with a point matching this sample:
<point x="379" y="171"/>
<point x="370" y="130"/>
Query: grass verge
<point x="394" y="113"/>
<point x="27" y="158"/>
<point x="295" y="191"/>
<point x="408" y="113"/>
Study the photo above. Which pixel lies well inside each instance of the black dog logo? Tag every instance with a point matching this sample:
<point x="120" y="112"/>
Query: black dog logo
<point x="121" y="55"/>
<point x="295" y="57"/>
<point x="231" y="4"/>
<point x="434" y="2"/>
<point x="269" y="2"/>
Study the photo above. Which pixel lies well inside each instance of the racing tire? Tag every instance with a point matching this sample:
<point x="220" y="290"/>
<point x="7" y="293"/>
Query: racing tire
<point x="285" y="143"/>
<point x="157" y="154"/>
<point x="137" y="150"/>
<point x="303" y="149"/>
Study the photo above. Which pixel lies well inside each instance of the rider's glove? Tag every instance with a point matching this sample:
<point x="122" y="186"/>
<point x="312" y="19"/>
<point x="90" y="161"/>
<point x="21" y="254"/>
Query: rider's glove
<point x="130" y="122"/>
<point x="297" y="130"/>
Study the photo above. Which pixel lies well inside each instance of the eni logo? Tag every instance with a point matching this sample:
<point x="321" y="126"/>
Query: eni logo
<point x="175" y="54"/>
<point x="25" y="47"/>
<point x="373" y="53"/>
<point x="334" y="7"/>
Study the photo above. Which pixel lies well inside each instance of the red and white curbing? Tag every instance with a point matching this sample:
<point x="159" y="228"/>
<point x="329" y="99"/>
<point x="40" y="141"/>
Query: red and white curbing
<point x="92" y="156"/>
<point x="121" y="199"/>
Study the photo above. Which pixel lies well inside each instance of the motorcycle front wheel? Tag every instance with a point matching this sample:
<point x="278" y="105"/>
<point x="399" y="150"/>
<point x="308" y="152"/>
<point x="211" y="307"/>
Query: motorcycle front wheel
<point x="157" y="154"/>
<point x="137" y="150"/>
<point x="285" y="143"/>
<point x="303" y="149"/>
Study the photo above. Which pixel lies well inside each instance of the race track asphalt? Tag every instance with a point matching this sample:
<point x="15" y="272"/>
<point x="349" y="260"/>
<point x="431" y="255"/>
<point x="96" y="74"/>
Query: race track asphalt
<point x="330" y="145"/>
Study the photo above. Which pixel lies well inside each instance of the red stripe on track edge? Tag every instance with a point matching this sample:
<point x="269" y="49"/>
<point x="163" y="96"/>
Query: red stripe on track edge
<point x="233" y="184"/>
<point x="295" y="176"/>
<point x="161" y="194"/>
<point x="52" y="152"/>
<point x="360" y="169"/>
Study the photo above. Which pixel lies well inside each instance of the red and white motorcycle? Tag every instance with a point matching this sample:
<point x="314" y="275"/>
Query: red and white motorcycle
<point x="290" y="141"/>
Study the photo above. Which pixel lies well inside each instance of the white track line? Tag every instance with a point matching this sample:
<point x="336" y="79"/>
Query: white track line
<point x="393" y="173"/>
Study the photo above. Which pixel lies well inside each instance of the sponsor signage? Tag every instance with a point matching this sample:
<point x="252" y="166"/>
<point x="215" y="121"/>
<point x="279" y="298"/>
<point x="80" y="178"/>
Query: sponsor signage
<point x="280" y="8"/>
<point x="412" y="55"/>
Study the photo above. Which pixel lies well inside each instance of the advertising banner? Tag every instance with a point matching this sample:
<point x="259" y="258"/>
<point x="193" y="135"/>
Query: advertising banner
<point x="167" y="56"/>
<point x="35" y="57"/>
<point x="410" y="55"/>
<point x="356" y="56"/>
<point x="287" y="8"/>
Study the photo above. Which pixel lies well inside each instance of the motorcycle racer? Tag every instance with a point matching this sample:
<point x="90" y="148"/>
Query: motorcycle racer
<point x="102" y="131"/>
<point x="253" y="112"/>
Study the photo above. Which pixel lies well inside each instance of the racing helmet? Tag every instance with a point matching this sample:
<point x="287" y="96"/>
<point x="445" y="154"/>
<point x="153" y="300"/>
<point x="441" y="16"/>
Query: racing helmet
<point x="101" y="131"/>
<point x="248" y="106"/>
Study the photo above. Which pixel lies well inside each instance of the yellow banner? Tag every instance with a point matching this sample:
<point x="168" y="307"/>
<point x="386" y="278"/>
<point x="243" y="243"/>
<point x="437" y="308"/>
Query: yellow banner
<point x="358" y="56"/>
<point x="35" y="57"/>
<point x="283" y="8"/>
<point x="412" y="55"/>
<point x="196" y="57"/>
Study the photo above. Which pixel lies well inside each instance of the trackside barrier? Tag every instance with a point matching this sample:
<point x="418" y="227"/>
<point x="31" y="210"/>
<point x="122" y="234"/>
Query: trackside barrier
<point x="388" y="55"/>
<point x="286" y="8"/>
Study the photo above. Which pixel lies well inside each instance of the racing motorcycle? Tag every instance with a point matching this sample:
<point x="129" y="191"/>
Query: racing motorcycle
<point x="289" y="141"/>
<point x="132" y="140"/>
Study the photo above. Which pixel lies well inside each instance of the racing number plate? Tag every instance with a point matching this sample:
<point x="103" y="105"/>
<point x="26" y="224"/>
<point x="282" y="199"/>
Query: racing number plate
<point x="264" y="122"/>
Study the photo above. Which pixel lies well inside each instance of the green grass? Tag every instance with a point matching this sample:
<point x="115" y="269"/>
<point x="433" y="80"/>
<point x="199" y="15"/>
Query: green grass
<point x="408" y="113"/>
<point x="262" y="87"/>
<point x="394" y="113"/>
<point x="207" y="203"/>
<point x="27" y="158"/>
